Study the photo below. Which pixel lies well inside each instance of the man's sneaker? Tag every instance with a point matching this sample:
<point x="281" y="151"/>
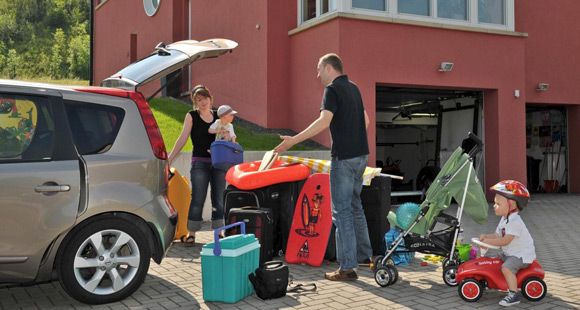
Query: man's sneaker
<point x="511" y="299"/>
<point x="341" y="275"/>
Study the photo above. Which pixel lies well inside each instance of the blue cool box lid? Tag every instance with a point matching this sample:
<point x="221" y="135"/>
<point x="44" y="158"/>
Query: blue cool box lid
<point x="236" y="147"/>
<point x="233" y="242"/>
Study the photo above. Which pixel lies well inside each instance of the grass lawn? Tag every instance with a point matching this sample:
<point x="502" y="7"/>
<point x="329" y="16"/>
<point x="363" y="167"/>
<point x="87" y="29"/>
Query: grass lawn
<point x="170" y="114"/>
<point x="52" y="81"/>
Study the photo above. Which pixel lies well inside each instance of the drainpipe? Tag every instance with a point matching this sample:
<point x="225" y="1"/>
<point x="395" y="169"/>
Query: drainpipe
<point x="91" y="26"/>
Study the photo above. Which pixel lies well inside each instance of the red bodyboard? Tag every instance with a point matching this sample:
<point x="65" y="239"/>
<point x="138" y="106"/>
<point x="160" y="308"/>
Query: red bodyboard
<point x="312" y="222"/>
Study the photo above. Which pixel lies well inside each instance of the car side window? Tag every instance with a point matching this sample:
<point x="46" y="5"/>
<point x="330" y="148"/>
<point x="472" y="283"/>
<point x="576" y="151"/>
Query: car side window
<point x="26" y="128"/>
<point x="94" y="127"/>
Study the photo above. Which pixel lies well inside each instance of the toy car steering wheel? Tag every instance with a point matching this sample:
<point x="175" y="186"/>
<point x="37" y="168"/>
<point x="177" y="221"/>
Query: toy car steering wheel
<point x="479" y="243"/>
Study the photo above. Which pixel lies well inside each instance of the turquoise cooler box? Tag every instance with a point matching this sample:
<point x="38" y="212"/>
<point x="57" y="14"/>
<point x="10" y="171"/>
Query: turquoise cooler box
<point x="226" y="264"/>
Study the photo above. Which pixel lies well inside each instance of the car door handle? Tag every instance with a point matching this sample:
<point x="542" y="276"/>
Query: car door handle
<point x="52" y="188"/>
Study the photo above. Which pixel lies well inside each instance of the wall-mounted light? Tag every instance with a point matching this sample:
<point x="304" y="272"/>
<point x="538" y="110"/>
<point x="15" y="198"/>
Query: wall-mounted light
<point x="543" y="87"/>
<point x="446" y="67"/>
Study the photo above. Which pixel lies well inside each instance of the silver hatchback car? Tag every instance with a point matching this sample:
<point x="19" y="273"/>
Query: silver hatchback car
<point x="83" y="179"/>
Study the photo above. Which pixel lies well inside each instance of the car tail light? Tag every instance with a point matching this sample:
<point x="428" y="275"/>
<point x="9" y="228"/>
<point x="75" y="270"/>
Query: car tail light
<point x="150" y="125"/>
<point x="148" y="120"/>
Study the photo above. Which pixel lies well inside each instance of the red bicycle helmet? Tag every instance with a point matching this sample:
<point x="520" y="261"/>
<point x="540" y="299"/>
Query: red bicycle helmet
<point x="515" y="190"/>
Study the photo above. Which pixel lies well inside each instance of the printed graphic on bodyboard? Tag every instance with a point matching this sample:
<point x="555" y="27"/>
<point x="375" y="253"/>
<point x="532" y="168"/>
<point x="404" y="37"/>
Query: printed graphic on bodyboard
<point x="311" y="222"/>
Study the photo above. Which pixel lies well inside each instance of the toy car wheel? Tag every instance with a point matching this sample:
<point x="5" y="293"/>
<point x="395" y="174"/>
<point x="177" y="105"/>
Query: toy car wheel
<point x="470" y="290"/>
<point x="449" y="275"/>
<point x="394" y="274"/>
<point x="377" y="262"/>
<point x="534" y="289"/>
<point x="383" y="276"/>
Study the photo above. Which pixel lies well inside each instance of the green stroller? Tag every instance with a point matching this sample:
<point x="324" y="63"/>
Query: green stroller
<point x="456" y="180"/>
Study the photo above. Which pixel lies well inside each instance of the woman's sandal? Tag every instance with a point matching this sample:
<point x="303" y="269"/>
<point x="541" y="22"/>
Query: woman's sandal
<point x="188" y="240"/>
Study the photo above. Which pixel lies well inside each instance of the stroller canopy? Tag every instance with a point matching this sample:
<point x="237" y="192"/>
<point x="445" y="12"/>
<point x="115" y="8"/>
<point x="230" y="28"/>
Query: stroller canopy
<point x="450" y="183"/>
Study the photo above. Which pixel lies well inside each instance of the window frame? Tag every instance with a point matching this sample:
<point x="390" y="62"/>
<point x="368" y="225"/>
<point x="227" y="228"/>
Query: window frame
<point x="62" y="147"/>
<point x="391" y="11"/>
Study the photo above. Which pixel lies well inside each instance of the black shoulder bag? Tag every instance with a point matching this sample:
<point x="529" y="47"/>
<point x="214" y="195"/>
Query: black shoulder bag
<point x="270" y="280"/>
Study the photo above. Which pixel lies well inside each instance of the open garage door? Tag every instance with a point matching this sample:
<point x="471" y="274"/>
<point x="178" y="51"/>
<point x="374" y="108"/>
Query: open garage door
<point x="418" y="128"/>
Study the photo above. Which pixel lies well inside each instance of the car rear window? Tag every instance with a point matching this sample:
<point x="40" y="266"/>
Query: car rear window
<point x="94" y="126"/>
<point x="26" y="128"/>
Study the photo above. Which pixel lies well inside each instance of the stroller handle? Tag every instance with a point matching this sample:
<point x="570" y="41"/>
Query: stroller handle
<point x="472" y="144"/>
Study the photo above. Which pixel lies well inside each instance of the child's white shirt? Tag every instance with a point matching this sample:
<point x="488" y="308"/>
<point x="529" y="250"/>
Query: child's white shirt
<point x="218" y="126"/>
<point x="522" y="244"/>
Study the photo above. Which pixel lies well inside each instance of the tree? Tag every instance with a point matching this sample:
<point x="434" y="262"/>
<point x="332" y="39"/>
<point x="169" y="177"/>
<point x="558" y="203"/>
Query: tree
<point x="59" y="55"/>
<point x="12" y="64"/>
<point x="78" y="58"/>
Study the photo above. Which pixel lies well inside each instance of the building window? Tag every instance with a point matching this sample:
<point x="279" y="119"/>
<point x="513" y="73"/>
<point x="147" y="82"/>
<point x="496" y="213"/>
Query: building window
<point x="491" y="11"/>
<point x="369" y="4"/>
<point x="311" y="9"/>
<point x="486" y="14"/>
<point x="151" y="6"/>
<point x="452" y="9"/>
<point x="328" y="6"/>
<point x="416" y="7"/>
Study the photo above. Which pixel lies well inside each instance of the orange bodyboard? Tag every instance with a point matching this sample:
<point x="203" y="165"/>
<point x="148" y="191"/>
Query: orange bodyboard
<point x="311" y="223"/>
<point x="179" y="195"/>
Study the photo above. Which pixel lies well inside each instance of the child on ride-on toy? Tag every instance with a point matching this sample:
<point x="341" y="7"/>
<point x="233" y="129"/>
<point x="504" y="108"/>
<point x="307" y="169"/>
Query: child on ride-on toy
<point x="511" y="234"/>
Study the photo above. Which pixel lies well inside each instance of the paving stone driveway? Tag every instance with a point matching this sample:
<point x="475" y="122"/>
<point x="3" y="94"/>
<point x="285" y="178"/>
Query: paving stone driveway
<point x="553" y="221"/>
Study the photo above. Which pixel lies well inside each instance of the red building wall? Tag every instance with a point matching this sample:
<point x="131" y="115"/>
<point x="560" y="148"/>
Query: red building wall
<point x="115" y="21"/>
<point x="238" y="79"/>
<point x="403" y="55"/>
<point x="271" y="77"/>
<point x="552" y="57"/>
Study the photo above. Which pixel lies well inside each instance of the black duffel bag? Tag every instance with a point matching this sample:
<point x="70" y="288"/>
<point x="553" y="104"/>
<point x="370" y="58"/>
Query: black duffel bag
<point x="270" y="280"/>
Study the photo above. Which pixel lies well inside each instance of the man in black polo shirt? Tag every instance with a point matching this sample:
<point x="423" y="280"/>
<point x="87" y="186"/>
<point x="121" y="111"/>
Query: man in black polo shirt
<point x="342" y="110"/>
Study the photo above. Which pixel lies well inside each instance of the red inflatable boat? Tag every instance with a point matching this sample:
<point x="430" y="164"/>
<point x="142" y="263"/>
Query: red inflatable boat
<point x="246" y="176"/>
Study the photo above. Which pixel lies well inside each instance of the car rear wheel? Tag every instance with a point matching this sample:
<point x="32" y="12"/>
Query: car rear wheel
<point x="105" y="261"/>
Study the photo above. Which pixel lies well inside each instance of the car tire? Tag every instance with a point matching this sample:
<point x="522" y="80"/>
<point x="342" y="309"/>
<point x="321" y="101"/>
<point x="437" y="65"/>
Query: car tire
<point x="105" y="261"/>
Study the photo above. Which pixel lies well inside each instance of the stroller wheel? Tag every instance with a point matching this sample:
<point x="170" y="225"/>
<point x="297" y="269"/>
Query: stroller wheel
<point x="449" y="275"/>
<point x="377" y="263"/>
<point x="383" y="276"/>
<point x="395" y="274"/>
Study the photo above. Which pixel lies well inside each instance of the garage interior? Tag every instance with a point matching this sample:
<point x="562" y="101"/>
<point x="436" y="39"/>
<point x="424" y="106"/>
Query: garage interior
<point x="547" y="149"/>
<point x="418" y="129"/>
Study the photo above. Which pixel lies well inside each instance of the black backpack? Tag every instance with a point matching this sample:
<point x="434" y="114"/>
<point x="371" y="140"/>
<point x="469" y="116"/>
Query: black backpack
<point x="270" y="280"/>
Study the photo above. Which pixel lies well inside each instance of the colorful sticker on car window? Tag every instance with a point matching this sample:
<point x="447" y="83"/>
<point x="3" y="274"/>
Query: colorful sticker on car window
<point x="17" y="124"/>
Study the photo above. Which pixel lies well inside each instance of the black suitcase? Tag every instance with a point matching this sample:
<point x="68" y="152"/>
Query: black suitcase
<point x="279" y="198"/>
<point x="258" y="222"/>
<point x="330" y="253"/>
<point x="376" y="202"/>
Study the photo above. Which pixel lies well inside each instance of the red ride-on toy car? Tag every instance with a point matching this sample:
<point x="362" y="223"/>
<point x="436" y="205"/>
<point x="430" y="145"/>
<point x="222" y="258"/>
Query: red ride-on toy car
<point x="475" y="275"/>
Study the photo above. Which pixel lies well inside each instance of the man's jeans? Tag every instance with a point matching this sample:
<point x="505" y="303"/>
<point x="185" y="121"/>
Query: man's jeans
<point x="202" y="174"/>
<point x="352" y="236"/>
